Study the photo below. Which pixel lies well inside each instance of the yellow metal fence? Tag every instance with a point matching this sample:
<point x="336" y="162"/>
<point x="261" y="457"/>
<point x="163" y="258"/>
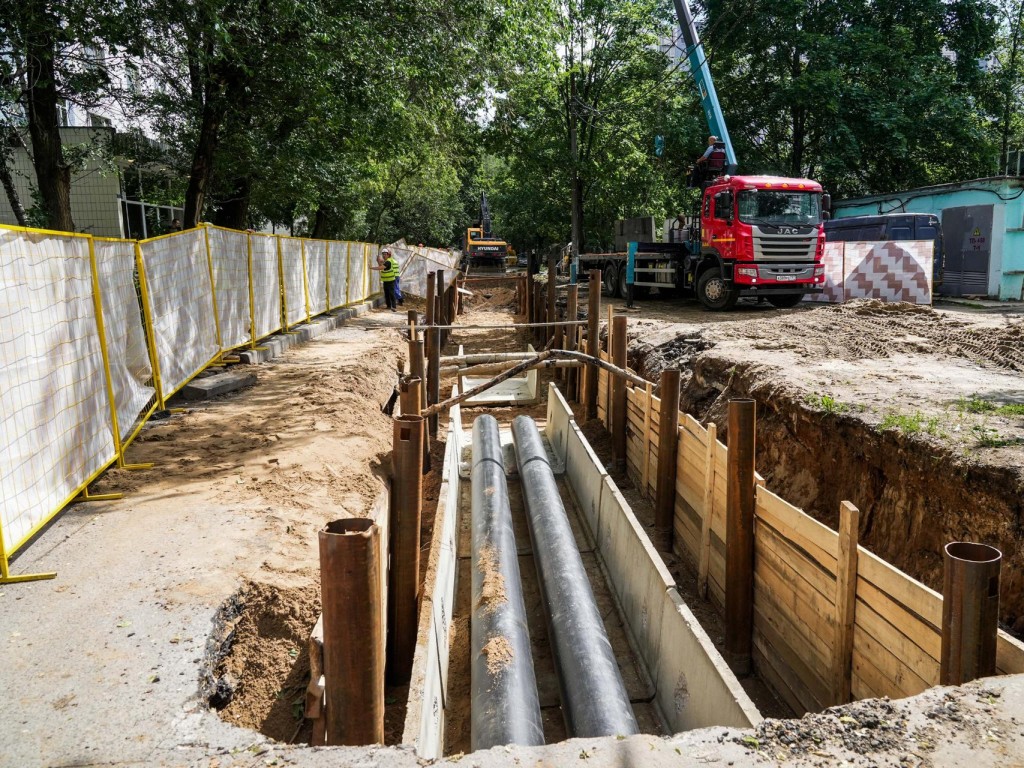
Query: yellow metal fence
<point x="96" y="334"/>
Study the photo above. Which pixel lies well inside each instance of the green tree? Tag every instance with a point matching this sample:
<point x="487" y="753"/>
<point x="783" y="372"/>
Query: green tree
<point x="53" y="51"/>
<point x="868" y="96"/>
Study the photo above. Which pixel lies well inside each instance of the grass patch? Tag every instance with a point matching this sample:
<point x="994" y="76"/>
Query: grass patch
<point x="976" y="404"/>
<point x="914" y="423"/>
<point x="827" y="403"/>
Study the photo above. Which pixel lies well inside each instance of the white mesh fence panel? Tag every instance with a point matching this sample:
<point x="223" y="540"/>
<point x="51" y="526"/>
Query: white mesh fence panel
<point x="266" y="284"/>
<point x="371" y="261"/>
<point x="337" y="268"/>
<point x="316" y="275"/>
<point x="55" y="430"/>
<point x="229" y="250"/>
<point x="294" y="288"/>
<point x="181" y="303"/>
<point x="356" y="272"/>
<point x="130" y="371"/>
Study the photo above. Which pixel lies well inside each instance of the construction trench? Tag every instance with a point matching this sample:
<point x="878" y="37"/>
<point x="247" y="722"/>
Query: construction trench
<point x="823" y="628"/>
<point x="546" y="611"/>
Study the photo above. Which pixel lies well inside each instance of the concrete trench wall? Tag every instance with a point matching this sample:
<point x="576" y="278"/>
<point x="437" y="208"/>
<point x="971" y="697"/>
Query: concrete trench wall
<point x="694" y="687"/>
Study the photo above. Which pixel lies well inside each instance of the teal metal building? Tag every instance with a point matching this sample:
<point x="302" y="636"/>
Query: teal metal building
<point x="982" y="227"/>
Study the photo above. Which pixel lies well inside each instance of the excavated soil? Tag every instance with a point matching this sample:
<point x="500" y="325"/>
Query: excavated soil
<point x="306" y="445"/>
<point x="913" y="414"/>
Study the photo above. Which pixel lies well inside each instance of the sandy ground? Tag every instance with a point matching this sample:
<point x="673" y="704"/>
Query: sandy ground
<point x="939" y="374"/>
<point x="101" y="665"/>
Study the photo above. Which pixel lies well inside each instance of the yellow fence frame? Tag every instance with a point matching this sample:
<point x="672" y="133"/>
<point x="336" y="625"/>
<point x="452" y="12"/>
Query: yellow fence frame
<point x="161" y="395"/>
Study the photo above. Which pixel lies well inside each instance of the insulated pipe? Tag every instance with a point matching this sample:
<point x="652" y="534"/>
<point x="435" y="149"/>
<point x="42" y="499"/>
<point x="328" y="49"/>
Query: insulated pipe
<point x="594" y="697"/>
<point x="505" y="704"/>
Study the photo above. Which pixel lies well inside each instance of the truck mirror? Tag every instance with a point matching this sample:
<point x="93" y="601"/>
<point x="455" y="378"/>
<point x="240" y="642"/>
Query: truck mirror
<point x="826" y="202"/>
<point x="826" y="215"/>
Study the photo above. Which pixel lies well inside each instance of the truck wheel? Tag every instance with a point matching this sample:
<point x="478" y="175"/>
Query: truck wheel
<point x="786" y="300"/>
<point x="714" y="292"/>
<point x="622" y="282"/>
<point x="609" y="275"/>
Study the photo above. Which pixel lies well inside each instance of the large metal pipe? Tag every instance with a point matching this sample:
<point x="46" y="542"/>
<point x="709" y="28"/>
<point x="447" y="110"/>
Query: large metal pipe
<point x="351" y="580"/>
<point x="970" y="612"/>
<point x="594" y="697"/>
<point x="505" y="706"/>
<point x="406" y="516"/>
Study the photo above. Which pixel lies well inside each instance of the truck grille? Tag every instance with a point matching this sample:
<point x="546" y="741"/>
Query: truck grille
<point x="784" y="247"/>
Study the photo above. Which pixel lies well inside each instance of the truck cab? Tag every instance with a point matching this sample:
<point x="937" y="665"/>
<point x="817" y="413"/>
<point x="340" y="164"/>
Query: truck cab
<point x="757" y="236"/>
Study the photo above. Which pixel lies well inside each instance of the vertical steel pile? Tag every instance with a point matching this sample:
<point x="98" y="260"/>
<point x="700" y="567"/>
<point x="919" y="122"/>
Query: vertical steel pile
<point x="594" y="697"/>
<point x="505" y="704"/>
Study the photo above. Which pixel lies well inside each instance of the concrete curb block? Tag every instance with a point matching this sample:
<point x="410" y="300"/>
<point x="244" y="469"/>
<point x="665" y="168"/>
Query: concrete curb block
<point x="276" y="345"/>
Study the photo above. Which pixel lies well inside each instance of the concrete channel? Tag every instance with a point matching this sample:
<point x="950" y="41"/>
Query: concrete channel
<point x="674" y="677"/>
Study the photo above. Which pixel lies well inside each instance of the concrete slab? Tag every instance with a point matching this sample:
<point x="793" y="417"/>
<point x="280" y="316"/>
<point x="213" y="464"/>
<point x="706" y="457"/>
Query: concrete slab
<point x="636" y="573"/>
<point x="209" y="387"/>
<point x="586" y="476"/>
<point x="695" y="687"/>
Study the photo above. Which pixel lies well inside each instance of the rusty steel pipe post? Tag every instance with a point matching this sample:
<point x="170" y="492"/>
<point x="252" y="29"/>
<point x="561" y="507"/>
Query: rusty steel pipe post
<point x="440" y="312"/>
<point x="668" y="444"/>
<point x="406" y="513"/>
<point x="618" y="385"/>
<point x="593" y="338"/>
<point x="739" y="536"/>
<point x="434" y="374"/>
<point x="351" y="588"/>
<point x="431" y="289"/>
<point x="418" y="367"/>
<point x="571" y="312"/>
<point x="410" y="397"/>
<point x="970" y="612"/>
<point x="552" y="296"/>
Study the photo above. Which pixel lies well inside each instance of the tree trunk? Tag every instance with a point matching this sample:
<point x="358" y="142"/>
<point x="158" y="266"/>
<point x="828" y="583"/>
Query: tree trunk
<point x="202" y="160"/>
<point x="576" y="213"/>
<point x="321" y="222"/>
<point x="53" y="175"/>
<point x="799" y="118"/>
<point x="8" y="183"/>
<point x="234" y="212"/>
<point x="1009" y="87"/>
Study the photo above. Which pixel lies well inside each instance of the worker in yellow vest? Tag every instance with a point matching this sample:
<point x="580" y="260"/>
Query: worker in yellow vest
<point x="387" y="265"/>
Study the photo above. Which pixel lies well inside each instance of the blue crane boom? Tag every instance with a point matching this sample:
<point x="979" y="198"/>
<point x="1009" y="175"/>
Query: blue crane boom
<point x="705" y="85"/>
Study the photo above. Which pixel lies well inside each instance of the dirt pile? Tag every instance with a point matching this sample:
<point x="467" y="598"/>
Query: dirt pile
<point x="258" y="665"/>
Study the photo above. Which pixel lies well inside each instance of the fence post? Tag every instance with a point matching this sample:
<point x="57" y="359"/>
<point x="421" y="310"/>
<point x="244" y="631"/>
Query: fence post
<point x="846" y="602"/>
<point x="305" y="275"/>
<point x="617" y="386"/>
<point x="668" y="442"/>
<point x="406" y="512"/>
<point x="213" y="286"/>
<point x="147" y="316"/>
<point x="429" y="319"/>
<point x="252" y="294"/>
<point x="739" y="537"/>
<point x="970" y="612"/>
<point x="704" y="558"/>
<point x="440" y="311"/>
<point x="351" y="580"/>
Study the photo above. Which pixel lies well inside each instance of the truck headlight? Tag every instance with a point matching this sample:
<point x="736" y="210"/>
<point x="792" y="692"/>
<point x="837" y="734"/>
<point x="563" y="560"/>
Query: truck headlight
<point x="748" y="271"/>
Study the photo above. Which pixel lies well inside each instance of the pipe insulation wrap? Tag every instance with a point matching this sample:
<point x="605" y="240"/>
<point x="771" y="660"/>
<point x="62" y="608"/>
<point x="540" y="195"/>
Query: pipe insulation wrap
<point x="594" y="698"/>
<point x="505" y="704"/>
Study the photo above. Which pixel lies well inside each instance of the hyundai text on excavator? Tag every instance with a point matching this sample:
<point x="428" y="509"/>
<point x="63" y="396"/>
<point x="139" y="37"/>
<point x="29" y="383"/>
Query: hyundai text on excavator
<point x="482" y="249"/>
<point x="756" y="236"/>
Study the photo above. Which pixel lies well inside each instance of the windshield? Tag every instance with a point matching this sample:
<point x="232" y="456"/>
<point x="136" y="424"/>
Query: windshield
<point x="774" y="207"/>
